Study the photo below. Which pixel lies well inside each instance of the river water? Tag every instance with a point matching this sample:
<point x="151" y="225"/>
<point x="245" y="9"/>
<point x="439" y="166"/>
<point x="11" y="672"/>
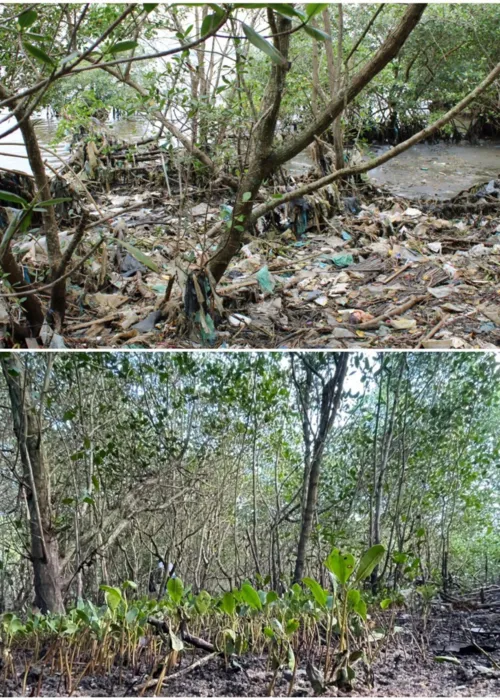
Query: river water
<point x="438" y="170"/>
<point x="12" y="157"/>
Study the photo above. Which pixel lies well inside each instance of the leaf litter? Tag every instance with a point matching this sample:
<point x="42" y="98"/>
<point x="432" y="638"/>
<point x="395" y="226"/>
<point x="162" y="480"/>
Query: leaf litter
<point x="378" y="272"/>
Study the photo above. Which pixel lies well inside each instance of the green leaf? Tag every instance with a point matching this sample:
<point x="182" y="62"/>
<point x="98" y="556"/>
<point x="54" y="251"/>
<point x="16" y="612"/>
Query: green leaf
<point x="263" y="45"/>
<point x="39" y="54"/>
<point x="150" y="6"/>
<point x="384" y="604"/>
<point x="317" y="33"/>
<point x="16" y="199"/>
<point x="27" y="18"/>
<point x="250" y="596"/>
<point x="131" y="615"/>
<point x="113" y="596"/>
<point x="287" y="11"/>
<point x="314" y="8"/>
<point x="202" y="602"/>
<point x="319" y="593"/>
<point x="69" y="415"/>
<point x="53" y="202"/>
<point x="129" y="584"/>
<point x="291" y="626"/>
<point x="210" y="23"/>
<point x="228" y="603"/>
<point x="123" y="46"/>
<point x="271" y="597"/>
<point x="353" y="597"/>
<point x="175" y="589"/>
<point x="361" y="609"/>
<point x="369" y="561"/>
<point x="246" y="196"/>
<point x="95" y="482"/>
<point x="341" y="565"/>
<point x="141" y="257"/>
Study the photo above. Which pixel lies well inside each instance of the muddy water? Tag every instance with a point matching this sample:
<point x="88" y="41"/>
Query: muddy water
<point x="12" y="157"/>
<point x="428" y="170"/>
<point x="440" y="170"/>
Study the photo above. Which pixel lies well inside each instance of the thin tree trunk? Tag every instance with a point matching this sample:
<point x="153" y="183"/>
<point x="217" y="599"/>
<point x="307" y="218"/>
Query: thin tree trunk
<point x="44" y="551"/>
<point x="330" y="401"/>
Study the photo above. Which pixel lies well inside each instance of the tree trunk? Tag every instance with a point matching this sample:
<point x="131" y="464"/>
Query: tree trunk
<point x="330" y="401"/>
<point x="264" y="160"/>
<point x="334" y="80"/>
<point x="44" y="550"/>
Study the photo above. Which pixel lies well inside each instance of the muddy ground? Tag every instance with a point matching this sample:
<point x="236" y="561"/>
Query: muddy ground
<point x="406" y="666"/>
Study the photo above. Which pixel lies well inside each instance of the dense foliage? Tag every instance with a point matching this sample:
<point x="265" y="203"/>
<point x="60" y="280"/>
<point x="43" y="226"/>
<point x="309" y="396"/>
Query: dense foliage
<point x="199" y="462"/>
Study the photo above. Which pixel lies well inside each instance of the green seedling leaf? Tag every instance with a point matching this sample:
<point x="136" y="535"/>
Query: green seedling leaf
<point x="39" y="54"/>
<point x="271" y="597"/>
<point x="129" y="584"/>
<point x="320" y="595"/>
<point x="175" y="589"/>
<point x="202" y="602"/>
<point x="341" y="565"/>
<point x="123" y="46"/>
<point x="228" y="603"/>
<point x="361" y="609"/>
<point x="291" y="627"/>
<point x="246" y="196"/>
<point x="141" y="257"/>
<point x="384" y="604"/>
<point x="27" y="18"/>
<point x="263" y="45"/>
<point x="150" y="6"/>
<point x="113" y="596"/>
<point x="353" y="598"/>
<point x="251" y="597"/>
<point x="369" y="561"/>
<point x="14" y="198"/>
<point x="131" y="615"/>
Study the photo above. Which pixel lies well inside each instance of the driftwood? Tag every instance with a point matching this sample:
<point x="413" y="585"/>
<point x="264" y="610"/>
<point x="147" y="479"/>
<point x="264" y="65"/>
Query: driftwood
<point x="184" y="671"/>
<point x="163" y="627"/>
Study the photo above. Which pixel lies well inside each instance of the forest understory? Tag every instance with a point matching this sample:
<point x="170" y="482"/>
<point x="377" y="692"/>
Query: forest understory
<point x="452" y="650"/>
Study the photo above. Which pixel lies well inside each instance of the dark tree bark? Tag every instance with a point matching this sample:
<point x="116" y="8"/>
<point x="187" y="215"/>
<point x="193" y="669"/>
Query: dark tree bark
<point x="58" y="292"/>
<point x="35" y="477"/>
<point x="263" y="159"/>
<point x="330" y="401"/>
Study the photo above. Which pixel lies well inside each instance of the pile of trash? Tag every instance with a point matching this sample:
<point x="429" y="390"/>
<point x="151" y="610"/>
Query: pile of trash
<point x="370" y="270"/>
